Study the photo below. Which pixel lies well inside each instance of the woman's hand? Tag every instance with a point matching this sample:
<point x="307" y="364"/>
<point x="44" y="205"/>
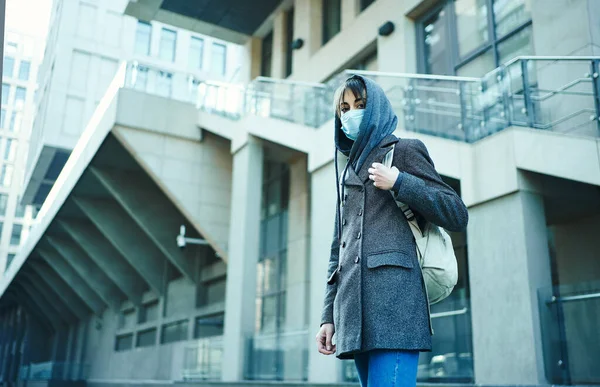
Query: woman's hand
<point x="324" y="337"/>
<point x="383" y="177"/>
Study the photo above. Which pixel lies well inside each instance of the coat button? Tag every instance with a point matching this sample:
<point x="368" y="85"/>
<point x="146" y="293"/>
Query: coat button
<point x="359" y="235"/>
<point x="360" y="213"/>
<point x="345" y="197"/>
<point x="344" y="223"/>
<point x="343" y="244"/>
<point x="357" y="259"/>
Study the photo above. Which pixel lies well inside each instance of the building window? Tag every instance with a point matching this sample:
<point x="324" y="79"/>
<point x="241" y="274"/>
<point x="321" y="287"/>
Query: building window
<point x="2" y="118"/>
<point x="266" y="55"/>
<point x="219" y="58"/>
<point x="140" y="78"/>
<point x="124" y="342"/>
<point x="3" y="204"/>
<point x="164" y="82"/>
<point x="196" y="54"/>
<point x="10" y="150"/>
<point x="168" y="41"/>
<point x="173" y="332"/>
<point x="24" y="69"/>
<point x="20" y="95"/>
<point x="146" y="338"/>
<point x="143" y="37"/>
<point x="332" y="19"/>
<point x="472" y="37"/>
<point x="5" y="93"/>
<point x="6" y="173"/>
<point x="209" y="326"/>
<point x="148" y="312"/>
<point x="13" y="125"/>
<point x="9" y="259"/>
<point x="20" y="212"/>
<point x="127" y="319"/>
<point x="15" y="236"/>
<point x="289" y="53"/>
<point x="365" y="3"/>
<point x="8" y="66"/>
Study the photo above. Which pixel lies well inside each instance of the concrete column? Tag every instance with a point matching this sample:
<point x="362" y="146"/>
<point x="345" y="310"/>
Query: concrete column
<point x="244" y="236"/>
<point x="321" y="368"/>
<point x="309" y="27"/>
<point x="508" y="262"/>
<point x="279" y="47"/>
<point x="251" y="60"/>
<point x="582" y="37"/>
<point x="350" y="8"/>
<point x="296" y="315"/>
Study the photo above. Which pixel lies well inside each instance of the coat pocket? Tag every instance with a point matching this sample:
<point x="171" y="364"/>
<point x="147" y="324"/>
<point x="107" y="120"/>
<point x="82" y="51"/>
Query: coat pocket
<point x="390" y="258"/>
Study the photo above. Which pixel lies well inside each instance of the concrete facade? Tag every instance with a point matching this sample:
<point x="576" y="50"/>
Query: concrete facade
<point x="259" y="192"/>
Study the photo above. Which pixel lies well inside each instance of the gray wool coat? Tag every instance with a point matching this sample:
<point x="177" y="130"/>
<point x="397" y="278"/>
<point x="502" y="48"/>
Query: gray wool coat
<point x="375" y="294"/>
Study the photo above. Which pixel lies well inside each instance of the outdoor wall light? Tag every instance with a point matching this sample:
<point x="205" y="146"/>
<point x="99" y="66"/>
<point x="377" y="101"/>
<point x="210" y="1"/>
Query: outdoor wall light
<point x="386" y="29"/>
<point x="297" y="44"/>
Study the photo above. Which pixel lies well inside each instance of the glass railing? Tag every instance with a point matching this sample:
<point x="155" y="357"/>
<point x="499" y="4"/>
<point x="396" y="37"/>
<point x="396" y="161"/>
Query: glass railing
<point x="54" y="371"/>
<point x="570" y="319"/>
<point x="277" y="356"/>
<point x="203" y="360"/>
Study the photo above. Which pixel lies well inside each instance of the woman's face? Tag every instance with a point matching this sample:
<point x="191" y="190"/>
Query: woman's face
<point x="351" y="102"/>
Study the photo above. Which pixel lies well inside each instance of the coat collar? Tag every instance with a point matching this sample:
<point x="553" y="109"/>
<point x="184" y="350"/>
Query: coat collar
<point x="376" y="156"/>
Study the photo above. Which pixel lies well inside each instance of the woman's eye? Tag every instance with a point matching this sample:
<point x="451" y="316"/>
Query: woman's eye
<point x="361" y="106"/>
<point x="344" y="109"/>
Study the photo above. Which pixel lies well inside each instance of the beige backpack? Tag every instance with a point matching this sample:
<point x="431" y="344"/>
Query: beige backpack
<point x="434" y="251"/>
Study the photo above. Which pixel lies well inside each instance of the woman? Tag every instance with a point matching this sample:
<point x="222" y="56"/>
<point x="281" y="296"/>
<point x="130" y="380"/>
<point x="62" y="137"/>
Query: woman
<point x="375" y="299"/>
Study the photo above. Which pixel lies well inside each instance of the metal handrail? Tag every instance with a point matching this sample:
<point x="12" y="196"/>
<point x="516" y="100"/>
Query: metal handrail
<point x="450" y="313"/>
<point x="588" y="296"/>
<point x="548" y="58"/>
<point x="289" y="82"/>
<point x="413" y="76"/>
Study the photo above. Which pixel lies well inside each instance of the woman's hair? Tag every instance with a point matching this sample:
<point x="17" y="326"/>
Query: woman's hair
<point x="354" y="84"/>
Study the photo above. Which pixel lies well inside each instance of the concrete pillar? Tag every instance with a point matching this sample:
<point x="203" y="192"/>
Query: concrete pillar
<point x="279" y="46"/>
<point x="296" y="315"/>
<point x="321" y="368"/>
<point x="243" y="257"/>
<point x="251" y="60"/>
<point x="350" y="8"/>
<point x="309" y="28"/>
<point x="581" y="38"/>
<point x="508" y="262"/>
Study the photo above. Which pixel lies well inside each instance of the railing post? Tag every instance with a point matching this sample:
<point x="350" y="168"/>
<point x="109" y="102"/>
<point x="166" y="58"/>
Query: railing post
<point x="529" y="109"/>
<point x="594" y="74"/>
<point x="462" y="126"/>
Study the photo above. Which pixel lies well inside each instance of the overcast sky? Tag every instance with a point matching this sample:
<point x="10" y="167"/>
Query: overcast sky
<point x="28" y="16"/>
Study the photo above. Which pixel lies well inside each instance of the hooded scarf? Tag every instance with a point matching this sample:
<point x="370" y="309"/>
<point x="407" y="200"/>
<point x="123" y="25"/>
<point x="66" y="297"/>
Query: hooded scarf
<point x="379" y="121"/>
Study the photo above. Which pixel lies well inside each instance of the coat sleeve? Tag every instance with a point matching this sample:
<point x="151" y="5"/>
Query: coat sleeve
<point x="423" y="190"/>
<point x="331" y="289"/>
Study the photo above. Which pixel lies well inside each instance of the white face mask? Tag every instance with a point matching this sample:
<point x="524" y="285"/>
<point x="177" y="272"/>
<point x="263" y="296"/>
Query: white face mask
<point x="351" y="122"/>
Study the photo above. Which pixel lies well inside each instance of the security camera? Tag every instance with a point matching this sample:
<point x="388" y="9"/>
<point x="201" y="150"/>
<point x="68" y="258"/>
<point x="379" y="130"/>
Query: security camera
<point x="181" y="242"/>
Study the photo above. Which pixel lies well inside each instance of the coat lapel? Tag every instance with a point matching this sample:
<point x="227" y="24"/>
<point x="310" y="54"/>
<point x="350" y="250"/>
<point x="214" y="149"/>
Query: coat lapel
<point x="352" y="178"/>
<point x="376" y="156"/>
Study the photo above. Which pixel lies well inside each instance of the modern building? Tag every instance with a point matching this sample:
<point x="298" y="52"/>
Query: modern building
<point x="86" y="42"/>
<point x="22" y="57"/>
<point x="506" y="96"/>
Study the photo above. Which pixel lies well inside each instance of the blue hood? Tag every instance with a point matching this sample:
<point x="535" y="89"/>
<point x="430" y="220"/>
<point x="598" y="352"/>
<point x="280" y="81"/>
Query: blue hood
<point x="379" y="121"/>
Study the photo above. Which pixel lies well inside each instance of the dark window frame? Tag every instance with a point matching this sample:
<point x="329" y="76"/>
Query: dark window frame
<point x="325" y="20"/>
<point x="456" y="61"/>
<point x="289" y="52"/>
<point x="266" y="55"/>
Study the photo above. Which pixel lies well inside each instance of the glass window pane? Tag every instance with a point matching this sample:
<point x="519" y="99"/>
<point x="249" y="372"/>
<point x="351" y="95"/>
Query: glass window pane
<point x="163" y="84"/>
<point x="332" y="18"/>
<point x="20" y="96"/>
<point x="142" y="38"/>
<point x="471" y="24"/>
<point x="140" y="78"/>
<point x="174" y="332"/>
<point x="3" y="204"/>
<point x="365" y="3"/>
<point x="269" y="314"/>
<point x="218" y="58"/>
<point x="2" y="118"/>
<point x="196" y="53"/>
<point x="5" y="93"/>
<point x="24" y="70"/>
<point x="6" y="174"/>
<point x="15" y="236"/>
<point x="15" y="122"/>
<point x="266" y="55"/>
<point x="209" y="326"/>
<point x="148" y="312"/>
<point x="288" y="43"/>
<point x="509" y="14"/>
<point x="8" y="66"/>
<point x="124" y="342"/>
<point x="478" y="66"/>
<point x="127" y="319"/>
<point x="437" y="51"/>
<point x="166" y="49"/>
<point x="10" y="150"/>
<point x="146" y="338"/>
<point x="20" y="212"/>
<point x="9" y="259"/>
<point x="519" y="44"/>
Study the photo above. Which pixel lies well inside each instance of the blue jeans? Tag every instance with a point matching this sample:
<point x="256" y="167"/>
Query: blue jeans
<point x="387" y="368"/>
